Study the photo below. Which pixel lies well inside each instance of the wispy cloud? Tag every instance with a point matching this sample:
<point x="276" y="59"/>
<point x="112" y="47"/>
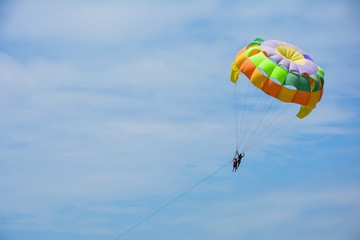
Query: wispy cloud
<point x="111" y="108"/>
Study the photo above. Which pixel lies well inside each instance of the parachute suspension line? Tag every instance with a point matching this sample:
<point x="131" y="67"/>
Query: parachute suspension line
<point x="279" y="126"/>
<point x="263" y="131"/>
<point x="249" y="114"/>
<point x="260" y="136"/>
<point x="170" y="202"/>
<point x="261" y="120"/>
<point x="256" y="115"/>
<point x="258" y="123"/>
<point x="238" y="136"/>
<point x="257" y="103"/>
<point x="274" y="124"/>
<point x="258" y="108"/>
<point x="236" y="115"/>
<point x="238" y="126"/>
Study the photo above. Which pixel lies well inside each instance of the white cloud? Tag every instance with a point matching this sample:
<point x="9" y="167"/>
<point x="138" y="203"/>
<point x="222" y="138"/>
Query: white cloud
<point x="95" y="21"/>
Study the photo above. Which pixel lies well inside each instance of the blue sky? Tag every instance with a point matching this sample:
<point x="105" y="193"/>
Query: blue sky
<point x="110" y="109"/>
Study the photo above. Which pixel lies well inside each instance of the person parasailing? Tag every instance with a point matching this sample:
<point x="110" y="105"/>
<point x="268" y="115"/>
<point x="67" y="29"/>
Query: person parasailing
<point x="237" y="160"/>
<point x="234" y="164"/>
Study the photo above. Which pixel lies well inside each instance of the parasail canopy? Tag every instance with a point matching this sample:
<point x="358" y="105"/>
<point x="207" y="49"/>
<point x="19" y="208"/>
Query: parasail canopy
<point x="282" y="71"/>
<point x="278" y="77"/>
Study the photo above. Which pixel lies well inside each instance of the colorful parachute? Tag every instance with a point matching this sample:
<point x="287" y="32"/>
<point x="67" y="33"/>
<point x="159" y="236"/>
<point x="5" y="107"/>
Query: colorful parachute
<point x="289" y="65"/>
<point x="281" y="71"/>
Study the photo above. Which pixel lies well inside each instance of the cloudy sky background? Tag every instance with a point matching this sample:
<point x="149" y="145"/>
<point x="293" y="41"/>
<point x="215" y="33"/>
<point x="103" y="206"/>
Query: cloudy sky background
<point x="109" y="109"/>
